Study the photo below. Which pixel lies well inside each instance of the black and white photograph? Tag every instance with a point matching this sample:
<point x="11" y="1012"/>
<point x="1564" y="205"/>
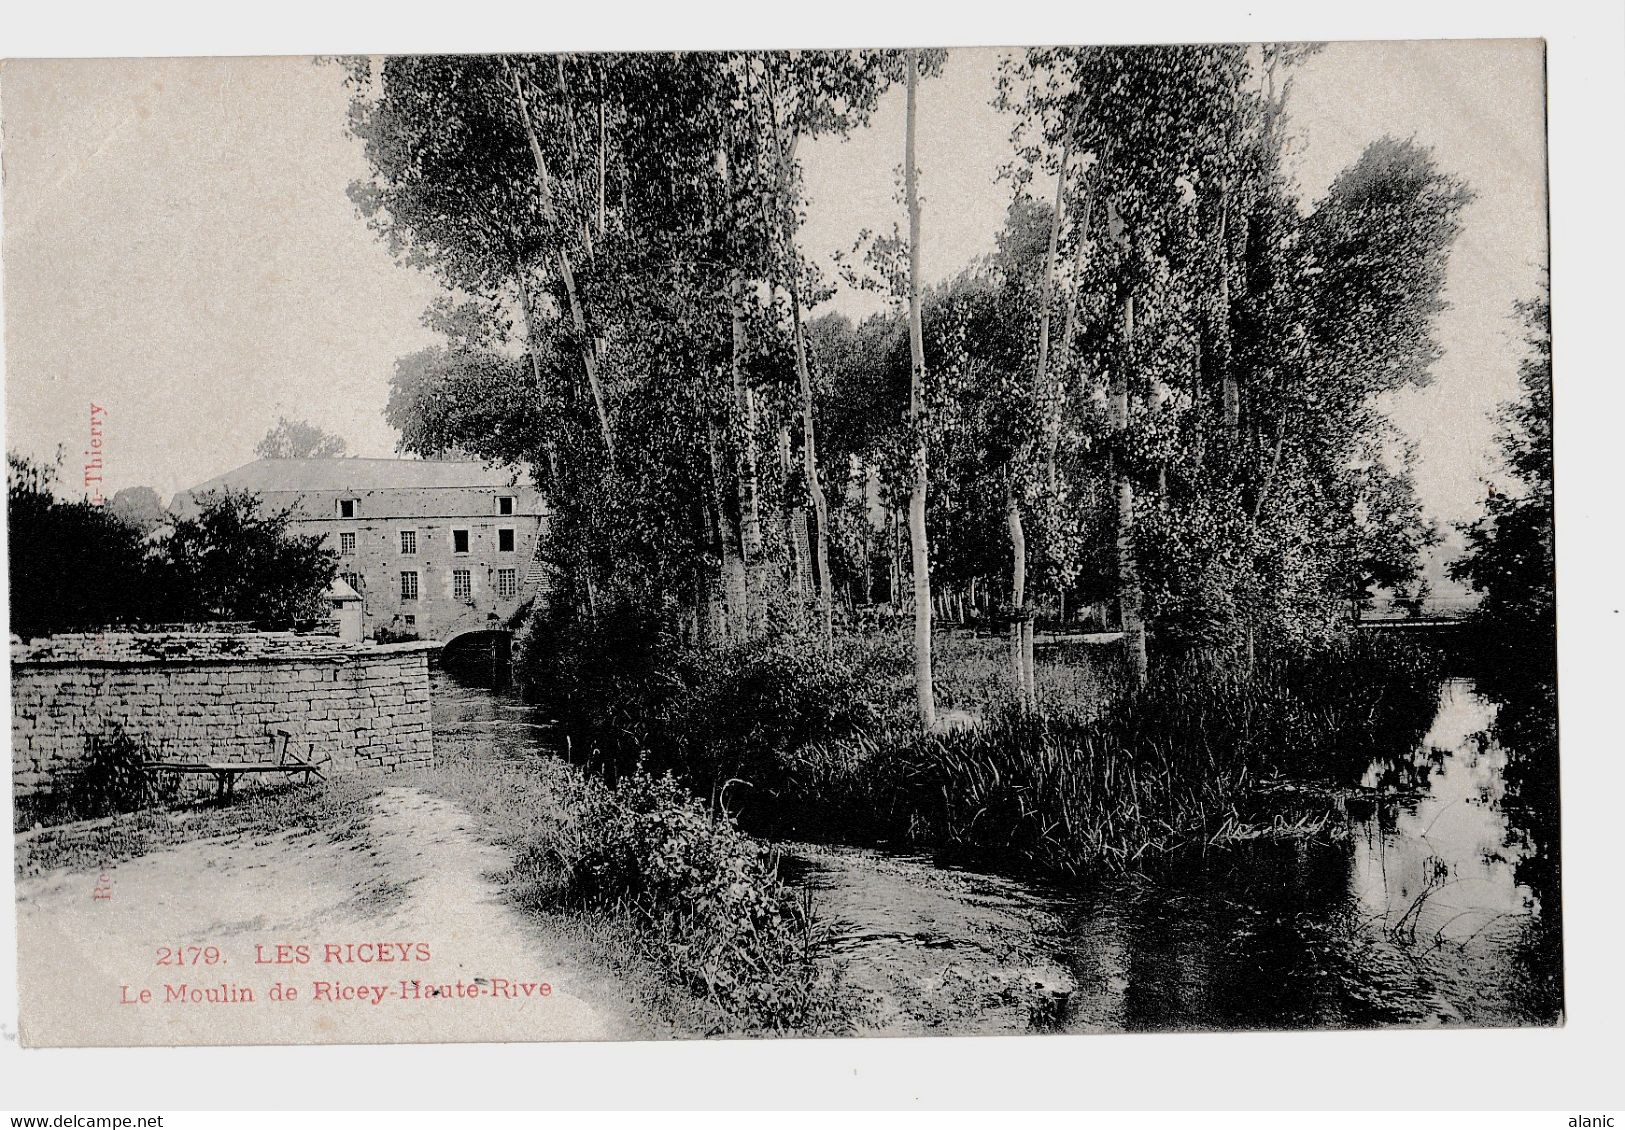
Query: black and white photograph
<point x="595" y="546"/>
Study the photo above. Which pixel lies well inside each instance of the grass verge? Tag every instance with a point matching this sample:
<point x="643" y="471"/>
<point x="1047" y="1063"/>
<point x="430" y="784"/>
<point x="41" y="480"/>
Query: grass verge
<point x="661" y="881"/>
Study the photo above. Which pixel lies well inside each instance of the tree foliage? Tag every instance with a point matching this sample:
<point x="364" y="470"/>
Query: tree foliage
<point x="297" y="439"/>
<point x="1510" y="558"/>
<point x="75" y="566"/>
<point x="139" y="508"/>
<point x="234" y="561"/>
<point x="1189" y="431"/>
<point x="621" y="232"/>
<point x="1241" y="334"/>
<point x="72" y="565"/>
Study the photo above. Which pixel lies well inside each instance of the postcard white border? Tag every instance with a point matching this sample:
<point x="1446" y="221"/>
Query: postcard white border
<point x="1421" y="1070"/>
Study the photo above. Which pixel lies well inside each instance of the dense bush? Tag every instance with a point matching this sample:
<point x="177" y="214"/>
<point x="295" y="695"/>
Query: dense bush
<point x="721" y="720"/>
<point x="1510" y="548"/>
<point x="73" y="565"/>
<point x="707" y="893"/>
<point x="234" y="560"/>
<point x="609" y="683"/>
<point x="753" y="704"/>
<point x="110" y="780"/>
<point x="651" y="868"/>
<point x="76" y="565"/>
<point x="1166" y="764"/>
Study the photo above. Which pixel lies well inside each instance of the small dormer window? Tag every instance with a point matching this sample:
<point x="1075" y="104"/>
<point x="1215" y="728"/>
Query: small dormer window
<point x="346" y="508"/>
<point x="505" y="504"/>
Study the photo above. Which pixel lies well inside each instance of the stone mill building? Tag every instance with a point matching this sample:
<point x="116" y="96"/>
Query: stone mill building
<point x="436" y="549"/>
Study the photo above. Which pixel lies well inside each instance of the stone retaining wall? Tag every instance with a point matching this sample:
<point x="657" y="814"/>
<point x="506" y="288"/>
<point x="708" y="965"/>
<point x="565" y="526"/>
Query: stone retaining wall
<point x="217" y="698"/>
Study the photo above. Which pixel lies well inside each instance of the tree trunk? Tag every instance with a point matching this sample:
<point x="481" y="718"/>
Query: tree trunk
<point x="734" y="584"/>
<point x="809" y="467"/>
<point x="1021" y="649"/>
<point x="1018" y="596"/>
<point x="745" y="472"/>
<point x="1051" y="405"/>
<point x="795" y="531"/>
<point x="527" y="307"/>
<point x="1130" y="615"/>
<point x="1268" y="484"/>
<point x="800" y="553"/>
<point x="603" y="151"/>
<point x="809" y="447"/>
<point x="1231" y="393"/>
<point x="894" y="556"/>
<point x="1198" y="408"/>
<point x="742" y="449"/>
<point x="923" y="690"/>
<point x="1029" y="670"/>
<point x="1069" y="325"/>
<point x="589" y="361"/>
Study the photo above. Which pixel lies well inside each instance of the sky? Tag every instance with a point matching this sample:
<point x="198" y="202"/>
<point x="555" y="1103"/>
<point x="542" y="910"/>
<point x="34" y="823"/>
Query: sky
<point x="179" y="250"/>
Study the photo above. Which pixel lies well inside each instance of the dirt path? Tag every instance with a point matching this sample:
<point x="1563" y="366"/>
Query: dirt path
<point x="404" y="878"/>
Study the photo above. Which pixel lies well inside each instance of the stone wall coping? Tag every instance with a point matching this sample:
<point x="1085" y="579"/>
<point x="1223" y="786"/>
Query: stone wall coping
<point x="42" y="655"/>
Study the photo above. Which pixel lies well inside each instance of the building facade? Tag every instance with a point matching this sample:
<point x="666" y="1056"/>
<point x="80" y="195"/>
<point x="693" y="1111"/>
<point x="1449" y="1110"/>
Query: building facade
<point x="435" y="549"/>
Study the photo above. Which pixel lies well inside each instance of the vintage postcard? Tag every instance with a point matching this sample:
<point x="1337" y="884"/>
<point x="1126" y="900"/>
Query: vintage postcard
<point x="621" y="546"/>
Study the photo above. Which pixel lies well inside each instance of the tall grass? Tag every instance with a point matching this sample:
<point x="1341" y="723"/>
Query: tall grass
<point x="109" y="780"/>
<point x="1155" y="769"/>
<point x="971" y="673"/>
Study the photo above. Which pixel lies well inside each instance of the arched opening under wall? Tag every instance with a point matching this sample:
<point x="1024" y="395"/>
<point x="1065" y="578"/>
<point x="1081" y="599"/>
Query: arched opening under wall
<point x="483" y="657"/>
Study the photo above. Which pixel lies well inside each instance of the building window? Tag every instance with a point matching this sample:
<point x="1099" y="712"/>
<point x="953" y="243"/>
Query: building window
<point x="409" y="541"/>
<point x="459" y="541"/>
<point x="462" y="584"/>
<point x="504" y="541"/>
<point x="409" y="585"/>
<point x="505" y="504"/>
<point x="346" y="508"/>
<point x="347" y="543"/>
<point x="507" y="582"/>
<point x="411" y="620"/>
<point x="353" y="580"/>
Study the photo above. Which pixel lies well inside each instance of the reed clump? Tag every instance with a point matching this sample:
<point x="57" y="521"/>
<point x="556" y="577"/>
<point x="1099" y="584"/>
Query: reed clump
<point x="1155" y="769"/>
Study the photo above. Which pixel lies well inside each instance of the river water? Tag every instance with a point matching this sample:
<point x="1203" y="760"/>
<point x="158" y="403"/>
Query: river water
<point x="1436" y="905"/>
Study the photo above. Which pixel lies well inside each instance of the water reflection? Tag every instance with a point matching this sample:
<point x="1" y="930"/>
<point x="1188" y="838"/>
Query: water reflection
<point x="1444" y="869"/>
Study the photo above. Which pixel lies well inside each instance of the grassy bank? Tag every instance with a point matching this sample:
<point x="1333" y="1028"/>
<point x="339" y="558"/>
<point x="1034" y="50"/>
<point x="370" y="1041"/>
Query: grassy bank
<point x="336" y="808"/>
<point x="664" y="881"/>
<point x="1102" y="775"/>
